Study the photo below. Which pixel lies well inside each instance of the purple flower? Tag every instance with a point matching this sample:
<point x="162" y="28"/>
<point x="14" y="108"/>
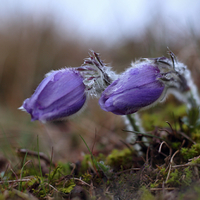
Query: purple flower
<point x="60" y="94"/>
<point x="142" y="85"/>
<point x="134" y="89"/>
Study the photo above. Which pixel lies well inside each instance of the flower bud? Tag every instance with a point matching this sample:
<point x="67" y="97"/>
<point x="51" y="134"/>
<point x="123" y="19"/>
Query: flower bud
<point x="134" y="89"/>
<point x="142" y="85"/>
<point x="60" y="94"/>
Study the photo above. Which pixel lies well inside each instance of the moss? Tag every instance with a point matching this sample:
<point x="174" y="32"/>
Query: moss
<point x="149" y="119"/>
<point x="181" y="177"/>
<point x="191" y="193"/>
<point x="197" y="190"/>
<point x="175" y="145"/>
<point x="174" y="179"/>
<point x="154" y="185"/>
<point x="86" y="163"/>
<point x="120" y="158"/>
<point x="108" y="182"/>
<point x="163" y="171"/>
<point x="87" y="177"/>
<point x="165" y="113"/>
<point x="30" y="183"/>
<point x="31" y="170"/>
<point x="146" y="194"/>
<point x="2" y="197"/>
<point x="196" y="135"/>
<point x="195" y="161"/>
<point x="62" y="168"/>
<point x="192" y="119"/>
<point x="68" y="187"/>
<point x="42" y="194"/>
<point x="187" y="177"/>
<point x="188" y="153"/>
<point x="101" y="157"/>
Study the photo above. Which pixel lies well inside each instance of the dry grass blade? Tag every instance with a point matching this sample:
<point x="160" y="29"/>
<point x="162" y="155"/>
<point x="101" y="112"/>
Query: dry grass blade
<point x="35" y="154"/>
<point x="83" y="182"/>
<point x="15" y="181"/>
<point x="51" y="187"/>
<point x="160" y="189"/>
<point x="160" y="148"/>
<point x="170" y="164"/>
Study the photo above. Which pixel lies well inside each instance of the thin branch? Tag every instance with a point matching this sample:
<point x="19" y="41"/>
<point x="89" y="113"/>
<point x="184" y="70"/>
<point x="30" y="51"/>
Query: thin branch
<point x="146" y="134"/>
<point x="15" y="181"/>
<point x="74" y="167"/>
<point x="170" y="149"/>
<point x="185" y="136"/>
<point x="183" y="165"/>
<point x="159" y="189"/>
<point x="77" y="179"/>
<point x="170" y="164"/>
<point x="163" y="142"/>
<point x="170" y="126"/>
<point x="35" y="154"/>
<point x="14" y="173"/>
<point x="52" y="187"/>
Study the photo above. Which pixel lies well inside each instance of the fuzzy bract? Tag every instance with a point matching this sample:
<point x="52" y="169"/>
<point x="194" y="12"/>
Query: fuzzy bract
<point x="60" y="94"/>
<point x="97" y="75"/>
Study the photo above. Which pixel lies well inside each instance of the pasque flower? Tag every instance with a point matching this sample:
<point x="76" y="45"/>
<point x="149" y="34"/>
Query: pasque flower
<point x="60" y="94"/>
<point x="142" y="85"/>
<point x="63" y="92"/>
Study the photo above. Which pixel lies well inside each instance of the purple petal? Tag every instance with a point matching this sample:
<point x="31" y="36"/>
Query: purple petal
<point x="136" y="88"/>
<point x="60" y="94"/>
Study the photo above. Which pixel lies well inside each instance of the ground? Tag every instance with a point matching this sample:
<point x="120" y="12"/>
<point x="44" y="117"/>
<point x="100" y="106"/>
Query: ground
<point x="167" y="165"/>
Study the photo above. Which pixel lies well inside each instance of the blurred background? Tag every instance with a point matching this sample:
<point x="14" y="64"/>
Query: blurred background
<point x="38" y="36"/>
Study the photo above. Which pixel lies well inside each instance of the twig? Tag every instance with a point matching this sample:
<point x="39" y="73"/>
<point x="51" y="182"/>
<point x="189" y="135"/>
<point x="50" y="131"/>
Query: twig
<point x="77" y="179"/>
<point x="146" y="134"/>
<point x="170" y="149"/>
<point x="52" y="187"/>
<point x="170" y="164"/>
<point x="147" y="156"/>
<point x="14" y="173"/>
<point x="189" y="163"/>
<point x="170" y="126"/>
<point x="183" y="165"/>
<point x="15" y="181"/>
<point x="179" y="132"/>
<point x="74" y="167"/>
<point x="164" y="129"/>
<point x="148" y="177"/>
<point x="185" y="136"/>
<point x="191" y="159"/>
<point x="28" y="161"/>
<point x="158" y="189"/>
<point x="35" y="154"/>
<point x="163" y="142"/>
